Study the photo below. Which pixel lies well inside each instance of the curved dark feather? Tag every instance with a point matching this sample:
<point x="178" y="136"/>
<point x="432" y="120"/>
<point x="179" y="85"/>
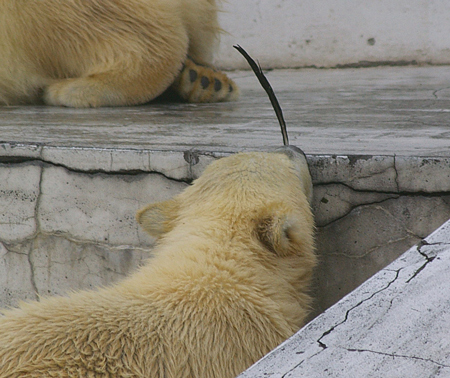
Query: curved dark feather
<point x="268" y="88"/>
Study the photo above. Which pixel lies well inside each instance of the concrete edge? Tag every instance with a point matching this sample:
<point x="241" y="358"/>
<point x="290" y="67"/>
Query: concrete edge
<point x="383" y="173"/>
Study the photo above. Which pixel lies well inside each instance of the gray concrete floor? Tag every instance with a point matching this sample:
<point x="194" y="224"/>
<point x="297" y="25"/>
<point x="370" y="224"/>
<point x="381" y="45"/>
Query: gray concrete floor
<point x="370" y="111"/>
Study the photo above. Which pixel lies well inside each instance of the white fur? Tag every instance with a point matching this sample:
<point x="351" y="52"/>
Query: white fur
<point x="227" y="284"/>
<point x="88" y="53"/>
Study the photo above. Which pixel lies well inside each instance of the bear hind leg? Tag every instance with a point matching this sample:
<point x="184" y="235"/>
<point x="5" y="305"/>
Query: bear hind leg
<point x="108" y="89"/>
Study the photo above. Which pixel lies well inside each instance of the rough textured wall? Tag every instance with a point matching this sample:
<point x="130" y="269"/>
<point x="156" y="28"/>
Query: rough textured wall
<point x="368" y="211"/>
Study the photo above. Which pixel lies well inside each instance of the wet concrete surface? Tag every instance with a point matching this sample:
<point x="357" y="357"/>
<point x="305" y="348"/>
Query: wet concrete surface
<point x="370" y="111"/>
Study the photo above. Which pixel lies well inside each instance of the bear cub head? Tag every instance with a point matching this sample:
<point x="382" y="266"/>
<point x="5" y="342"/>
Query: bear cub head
<point x="253" y="206"/>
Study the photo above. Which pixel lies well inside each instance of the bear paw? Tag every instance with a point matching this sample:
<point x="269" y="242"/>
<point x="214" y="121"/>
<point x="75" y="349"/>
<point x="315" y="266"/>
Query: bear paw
<point x="200" y="83"/>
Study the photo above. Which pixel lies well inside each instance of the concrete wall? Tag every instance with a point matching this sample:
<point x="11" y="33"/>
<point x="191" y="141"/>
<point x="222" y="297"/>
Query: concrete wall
<point x="62" y="230"/>
<point x="65" y="226"/>
<point x="329" y="33"/>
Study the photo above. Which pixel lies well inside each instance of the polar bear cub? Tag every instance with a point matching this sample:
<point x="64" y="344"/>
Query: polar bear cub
<point x="227" y="284"/>
<point x="90" y="53"/>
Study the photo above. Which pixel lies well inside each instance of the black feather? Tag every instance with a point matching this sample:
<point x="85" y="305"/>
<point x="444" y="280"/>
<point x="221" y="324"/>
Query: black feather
<point x="268" y="88"/>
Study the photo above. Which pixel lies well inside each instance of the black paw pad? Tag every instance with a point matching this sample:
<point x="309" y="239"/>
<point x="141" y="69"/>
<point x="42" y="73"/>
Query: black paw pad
<point x="217" y="85"/>
<point x="192" y="75"/>
<point x="204" y="82"/>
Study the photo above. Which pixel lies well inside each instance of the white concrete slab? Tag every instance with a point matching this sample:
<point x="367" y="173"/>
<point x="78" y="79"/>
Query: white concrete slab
<point x="396" y="324"/>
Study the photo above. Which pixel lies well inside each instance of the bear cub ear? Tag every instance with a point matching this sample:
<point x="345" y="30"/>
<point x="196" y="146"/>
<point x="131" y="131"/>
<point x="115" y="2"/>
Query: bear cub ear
<point x="158" y="218"/>
<point x="278" y="233"/>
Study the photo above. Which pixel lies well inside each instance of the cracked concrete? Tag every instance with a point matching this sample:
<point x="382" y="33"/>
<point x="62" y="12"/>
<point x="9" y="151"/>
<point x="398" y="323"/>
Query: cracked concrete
<point x="361" y="302"/>
<point x="367" y="234"/>
<point x="60" y="264"/>
<point x="394" y="325"/>
<point x="428" y="259"/>
<point x="63" y="230"/>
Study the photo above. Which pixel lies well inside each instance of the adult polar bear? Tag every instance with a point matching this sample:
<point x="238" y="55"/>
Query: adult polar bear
<point x="89" y="53"/>
<point x="227" y="284"/>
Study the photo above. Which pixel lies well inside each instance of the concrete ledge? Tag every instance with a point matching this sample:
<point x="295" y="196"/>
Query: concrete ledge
<point x="396" y="324"/>
<point x="401" y="111"/>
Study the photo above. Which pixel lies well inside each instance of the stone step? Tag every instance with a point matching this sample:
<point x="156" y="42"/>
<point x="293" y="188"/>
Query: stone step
<point x="374" y="111"/>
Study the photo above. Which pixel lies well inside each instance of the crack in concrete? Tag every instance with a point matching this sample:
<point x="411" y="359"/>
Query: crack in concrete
<point x="37" y="232"/>
<point x="96" y="243"/>
<point x="359" y="205"/>
<point x="394" y="196"/>
<point x="295" y="367"/>
<point x="132" y="172"/>
<point x="397" y="184"/>
<point x="32" y="273"/>
<point x="416" y="193"/>
<point x="438" y="90"/>
<point x="428" y="259"/>
<point x="322" y="344"/>
<point x="358" y="190"/>
<point x="101" y="244"/>
<point x="393" y="355"/>
<point x="371" y="250"/>
<point x="8" y="251"/>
